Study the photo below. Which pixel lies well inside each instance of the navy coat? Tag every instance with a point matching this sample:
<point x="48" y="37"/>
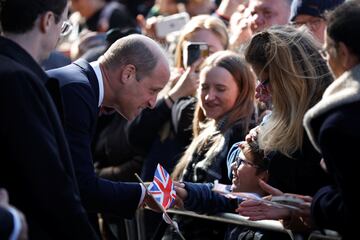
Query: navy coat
<point x="80" y="93"/>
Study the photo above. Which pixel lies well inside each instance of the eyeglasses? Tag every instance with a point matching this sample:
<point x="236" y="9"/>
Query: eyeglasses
<point x="311" y="24"/>
<point x="239" y="160"/>
<point x="66" y="28"/>
<point x="324" y="52"/>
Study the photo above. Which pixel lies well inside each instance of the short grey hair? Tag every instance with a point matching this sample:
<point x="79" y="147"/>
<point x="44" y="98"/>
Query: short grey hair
<point x="133" y="49"/>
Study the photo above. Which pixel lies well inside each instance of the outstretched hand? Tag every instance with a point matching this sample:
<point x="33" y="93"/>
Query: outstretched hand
<point x="151" y="203"/>
<point x="181" y="194"/>
<point x="261" y="210"/>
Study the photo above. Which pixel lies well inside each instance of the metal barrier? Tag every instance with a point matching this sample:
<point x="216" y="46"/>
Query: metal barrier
<point x="232" y="218"/>
<point x="235" y="219"/>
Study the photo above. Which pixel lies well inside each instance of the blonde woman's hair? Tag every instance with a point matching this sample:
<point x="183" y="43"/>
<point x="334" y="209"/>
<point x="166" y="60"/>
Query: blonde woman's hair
<point x="298" y="76"/>
<point x="208" y="129"/>
<point x="214" y="24"/>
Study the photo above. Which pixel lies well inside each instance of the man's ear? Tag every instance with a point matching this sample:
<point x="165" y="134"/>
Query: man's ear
<point x="45" y="21"/>
<point x="348" y="59"/>
<point x="128" y="73"/>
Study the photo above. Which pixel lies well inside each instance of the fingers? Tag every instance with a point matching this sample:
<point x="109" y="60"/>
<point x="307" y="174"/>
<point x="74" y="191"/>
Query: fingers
<point x="179" y="184"/>
<point x="187" y="84"/>
<point x="252" y="209"/>
<point x="140" y="19"/>
<point x="181" y="192"/>
<point x="151" y="203"/>
<point x="252" y="135"/>
<point x="250" y="203"/>
<point x="196" y="64"/>
<point x="179" y="203"/>
<point x="269" y="189"/>
<point x="262" y="211"/>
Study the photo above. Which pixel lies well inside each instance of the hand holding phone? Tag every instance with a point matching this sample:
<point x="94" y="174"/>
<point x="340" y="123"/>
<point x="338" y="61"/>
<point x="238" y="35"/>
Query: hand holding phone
<point x="193" y="51"/>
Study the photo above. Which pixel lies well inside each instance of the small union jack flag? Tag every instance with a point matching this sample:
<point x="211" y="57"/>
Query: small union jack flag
<point x="162" y="187"/>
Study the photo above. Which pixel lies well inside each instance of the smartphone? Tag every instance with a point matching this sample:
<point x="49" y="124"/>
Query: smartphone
<point x="193" y="51"/>
<point x="169" y="24"/>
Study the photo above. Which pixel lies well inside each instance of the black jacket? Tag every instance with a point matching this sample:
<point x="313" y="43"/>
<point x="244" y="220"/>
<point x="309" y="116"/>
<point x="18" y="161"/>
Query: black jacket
<point x="333" y="127"/>
<point x="36" y="167"/>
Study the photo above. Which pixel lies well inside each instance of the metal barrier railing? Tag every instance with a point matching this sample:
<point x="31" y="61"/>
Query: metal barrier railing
<point x="237" y="219"/>
<point x="234" y="219"/>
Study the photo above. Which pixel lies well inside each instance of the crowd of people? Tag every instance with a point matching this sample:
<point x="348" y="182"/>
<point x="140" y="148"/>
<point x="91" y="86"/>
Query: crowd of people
<point x="269" y="107"/>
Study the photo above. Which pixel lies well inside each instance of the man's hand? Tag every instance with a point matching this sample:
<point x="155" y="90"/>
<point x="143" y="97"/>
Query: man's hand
<point x="151" y="203"/>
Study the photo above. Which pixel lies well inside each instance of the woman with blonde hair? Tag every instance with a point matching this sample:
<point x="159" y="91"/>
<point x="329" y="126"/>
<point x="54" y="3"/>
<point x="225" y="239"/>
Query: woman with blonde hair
<point x="293" y="75"/>
<point x="223" y="116"/>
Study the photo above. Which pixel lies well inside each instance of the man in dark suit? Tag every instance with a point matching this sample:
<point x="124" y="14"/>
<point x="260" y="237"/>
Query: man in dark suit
<point x="126" y="78"/>
<point x="36" y="167"/>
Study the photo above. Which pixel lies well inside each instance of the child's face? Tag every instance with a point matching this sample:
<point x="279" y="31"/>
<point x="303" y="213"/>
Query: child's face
<point x="245" y="178"/>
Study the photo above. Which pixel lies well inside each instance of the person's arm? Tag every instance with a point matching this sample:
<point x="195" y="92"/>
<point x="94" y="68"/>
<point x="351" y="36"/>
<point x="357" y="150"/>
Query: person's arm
<point x="97" y="194"/>
<point x="297" y="219"/>
<point x="200" y="198"/>
<point x="122" y="172"/>
<point x="182" y="115"/>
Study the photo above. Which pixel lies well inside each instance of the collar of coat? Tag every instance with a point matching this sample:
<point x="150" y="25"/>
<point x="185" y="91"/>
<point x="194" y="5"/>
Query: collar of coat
<point x="344" y="90"/>
<point x="15" y="52"/>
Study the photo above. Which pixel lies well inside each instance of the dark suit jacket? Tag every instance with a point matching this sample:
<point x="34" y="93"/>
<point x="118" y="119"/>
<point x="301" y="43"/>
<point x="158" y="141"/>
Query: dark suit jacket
<point x="36" y="167"/>
<point x="80" y="92"/>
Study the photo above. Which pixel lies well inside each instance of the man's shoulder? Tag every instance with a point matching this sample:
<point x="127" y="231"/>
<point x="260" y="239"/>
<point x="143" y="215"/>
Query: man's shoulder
<point x="11" y="71"/>
<point x="8" y="65"/>
<point x="70" y="74"/>
<point x="347" y="117"/>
